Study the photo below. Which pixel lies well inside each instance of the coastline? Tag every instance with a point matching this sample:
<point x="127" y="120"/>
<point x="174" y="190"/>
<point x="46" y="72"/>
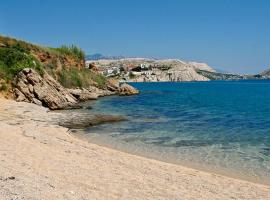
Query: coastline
<point x="40" y="159"/>
<point x="155" y="154"/>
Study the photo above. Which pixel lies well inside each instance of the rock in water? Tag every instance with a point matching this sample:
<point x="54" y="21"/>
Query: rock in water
<point x="81" y="121"/>
<point x="113" y="85"/>
<point x="83" y="94"/>
<point x="31" y="87"/>
<point x="126" y="89"/>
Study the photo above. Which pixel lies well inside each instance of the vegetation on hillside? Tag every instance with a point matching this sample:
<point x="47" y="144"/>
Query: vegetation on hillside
<point x="71" y="50"/>
<point x="65" y="64"/>
<point x="13" y="60"/>
<point x="72" y="78"/>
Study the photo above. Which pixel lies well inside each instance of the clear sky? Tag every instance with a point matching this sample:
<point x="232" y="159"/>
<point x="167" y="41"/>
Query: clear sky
<point x="232" y="35"/>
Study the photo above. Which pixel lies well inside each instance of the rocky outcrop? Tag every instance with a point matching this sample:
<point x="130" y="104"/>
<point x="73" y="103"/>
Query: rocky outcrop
<point x="83" y="94"/>
<point x="121" y="88"/>
<point x="31" y="87"/>
<point x="126" y="89"/>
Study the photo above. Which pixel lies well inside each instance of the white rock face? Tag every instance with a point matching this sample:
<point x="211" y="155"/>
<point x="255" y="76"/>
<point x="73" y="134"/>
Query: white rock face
<point x="179" y="74"/>
<point x="169" y="70"/>
<point x="202" y="66"/>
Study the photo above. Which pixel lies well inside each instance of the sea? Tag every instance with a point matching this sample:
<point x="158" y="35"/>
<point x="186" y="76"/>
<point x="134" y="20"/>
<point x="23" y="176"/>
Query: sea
<point x="216" y="126"/>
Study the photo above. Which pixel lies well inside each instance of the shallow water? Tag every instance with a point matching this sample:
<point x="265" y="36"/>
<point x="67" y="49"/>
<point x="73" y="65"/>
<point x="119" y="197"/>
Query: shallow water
<point x="221" y="125"/>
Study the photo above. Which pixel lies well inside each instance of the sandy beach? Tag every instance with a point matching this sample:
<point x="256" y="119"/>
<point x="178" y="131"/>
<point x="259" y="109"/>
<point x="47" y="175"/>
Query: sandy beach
<point x="41" y="160"/>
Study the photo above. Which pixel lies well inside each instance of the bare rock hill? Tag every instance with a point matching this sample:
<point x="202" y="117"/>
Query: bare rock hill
<point x="151" y="70"/>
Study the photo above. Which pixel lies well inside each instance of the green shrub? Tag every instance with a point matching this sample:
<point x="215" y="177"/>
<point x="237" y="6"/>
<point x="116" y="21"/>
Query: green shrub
<point x="21" y="48"/>
<point x="12" y="61"/>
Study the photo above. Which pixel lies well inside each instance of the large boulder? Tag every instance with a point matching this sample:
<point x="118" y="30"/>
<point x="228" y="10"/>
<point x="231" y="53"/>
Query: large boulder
<point x="113" y="85"/>
<point x="31" y="87"/>
<point x="121" y="88"/>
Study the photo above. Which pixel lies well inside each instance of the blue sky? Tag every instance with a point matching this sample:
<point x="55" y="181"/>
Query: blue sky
<point x="233" y="35"/>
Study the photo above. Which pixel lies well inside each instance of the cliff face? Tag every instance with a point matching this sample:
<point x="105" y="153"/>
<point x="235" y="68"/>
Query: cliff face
<point x="177" y="74"/>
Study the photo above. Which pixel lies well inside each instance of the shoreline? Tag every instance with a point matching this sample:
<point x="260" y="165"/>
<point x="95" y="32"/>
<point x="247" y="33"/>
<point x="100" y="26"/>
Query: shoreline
<point x="40" y="159"/>
<point x="154" y="156"/>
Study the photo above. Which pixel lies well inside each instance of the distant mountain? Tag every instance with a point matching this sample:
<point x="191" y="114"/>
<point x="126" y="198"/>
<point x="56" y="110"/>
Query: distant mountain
<point x="266" y="74"/>
<point x="99" y="56"/>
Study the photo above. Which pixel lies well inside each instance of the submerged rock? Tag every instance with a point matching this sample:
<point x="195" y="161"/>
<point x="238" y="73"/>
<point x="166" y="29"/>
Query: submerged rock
<point x="85" y="121"/>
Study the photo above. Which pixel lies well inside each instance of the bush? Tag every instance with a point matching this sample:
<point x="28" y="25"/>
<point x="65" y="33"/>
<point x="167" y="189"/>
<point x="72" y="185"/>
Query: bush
<point x="12" y="61"/>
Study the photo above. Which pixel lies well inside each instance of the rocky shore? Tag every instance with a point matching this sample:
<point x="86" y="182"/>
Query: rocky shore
<point x="31" y="87"/>
<point x="42" y="160"/>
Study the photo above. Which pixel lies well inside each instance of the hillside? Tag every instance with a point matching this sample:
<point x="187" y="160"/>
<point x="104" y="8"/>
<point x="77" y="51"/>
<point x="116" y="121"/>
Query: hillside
<point x="265" y="74"/>
<point x="150" y="70"/>
<point x="167" y="70"/>
<point x="58" y="62"/>
<point x="54" y="77"/>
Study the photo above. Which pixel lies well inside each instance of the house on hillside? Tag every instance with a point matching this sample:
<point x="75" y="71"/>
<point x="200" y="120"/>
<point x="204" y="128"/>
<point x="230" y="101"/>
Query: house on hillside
<point x="141" y="67"/>
<point x="114" y="71"/>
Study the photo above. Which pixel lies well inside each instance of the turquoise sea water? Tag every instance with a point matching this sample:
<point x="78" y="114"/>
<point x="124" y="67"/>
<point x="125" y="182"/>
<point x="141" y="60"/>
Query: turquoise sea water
<point x="221" y="125"/>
